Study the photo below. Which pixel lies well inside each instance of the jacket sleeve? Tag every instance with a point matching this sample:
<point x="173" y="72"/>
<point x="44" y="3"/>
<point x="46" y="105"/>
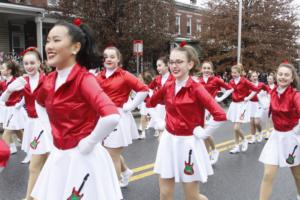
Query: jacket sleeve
<point x="156" y="98"/>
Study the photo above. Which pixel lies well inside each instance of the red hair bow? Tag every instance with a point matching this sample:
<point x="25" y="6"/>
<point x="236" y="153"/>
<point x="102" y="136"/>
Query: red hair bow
<point x="285" y="62"/>
<point x="182" y="44"/>
<point x="27" y="50"/>
<point x="77" y="21"/>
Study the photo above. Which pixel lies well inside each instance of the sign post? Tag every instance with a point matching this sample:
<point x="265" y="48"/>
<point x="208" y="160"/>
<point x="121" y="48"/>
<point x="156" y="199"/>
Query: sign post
<point x="138" y="52"/>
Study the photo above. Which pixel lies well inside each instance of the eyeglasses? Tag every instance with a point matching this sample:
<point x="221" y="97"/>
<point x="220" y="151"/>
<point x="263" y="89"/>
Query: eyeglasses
<point x="176" y="62"/>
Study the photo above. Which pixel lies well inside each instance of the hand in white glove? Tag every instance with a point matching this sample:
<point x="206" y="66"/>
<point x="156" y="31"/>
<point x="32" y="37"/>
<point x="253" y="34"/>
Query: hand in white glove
<point x="16" y="85"/>
<point x="103" y="128"/>
<point x="199" y="133"/>
<point x="127" y="107"/>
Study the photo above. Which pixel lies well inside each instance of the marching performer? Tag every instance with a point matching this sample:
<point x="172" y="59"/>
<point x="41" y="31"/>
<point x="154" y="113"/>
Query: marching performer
<point x="37" y="138"/>
<point x="256" y="110"/>
<point x="238" y="112"/>
<point x="282" y="148"/>
<point x="158" y="113"/>
<point x="13" y="115"/>
<point x="117" y="84"/>
<point x="213" y="85"/>
<point x="81" y="116"/>
<point x="181" y="155"/>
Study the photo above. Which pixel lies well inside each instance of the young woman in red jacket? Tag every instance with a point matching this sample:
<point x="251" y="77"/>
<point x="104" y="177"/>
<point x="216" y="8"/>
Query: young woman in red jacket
<point x="13" y="116"/>
<point x="158" y="113"/>
<point x="117" y="84"/>
<point x="37" y="138"/>
<point x="282" y="148"/>
<point x="256" y="110"/>
<point x="238" y="112"/>
<point x="181" y="155"/>
<point x="81" y="116"/>
<point x="213" y="85"/>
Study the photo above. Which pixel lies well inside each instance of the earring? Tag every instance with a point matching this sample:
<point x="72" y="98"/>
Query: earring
<point x="74" y="52"/>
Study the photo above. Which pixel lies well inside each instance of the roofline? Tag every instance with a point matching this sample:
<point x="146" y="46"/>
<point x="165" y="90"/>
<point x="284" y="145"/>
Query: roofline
<point x="20" y="9"/>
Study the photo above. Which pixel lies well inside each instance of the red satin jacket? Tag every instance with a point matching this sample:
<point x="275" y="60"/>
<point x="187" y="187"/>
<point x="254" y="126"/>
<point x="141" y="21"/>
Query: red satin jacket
<point x="30" y="96"/>
<point x="75" y="107"/>
<point x="260" y="86"/>
<point x="15" y="97"/>
<point x="119" y="85"/>
<point x="242" y="89"/>
<point x="156" y="83"/>
<point x="285" y="109"/>
<point x="214" y="85"/>
<point x="270" y="89"/>
<point x="185" y="110"/>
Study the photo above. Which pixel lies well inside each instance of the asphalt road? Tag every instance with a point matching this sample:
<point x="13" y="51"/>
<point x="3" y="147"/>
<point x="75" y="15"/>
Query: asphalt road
<point x="236" y="177"/>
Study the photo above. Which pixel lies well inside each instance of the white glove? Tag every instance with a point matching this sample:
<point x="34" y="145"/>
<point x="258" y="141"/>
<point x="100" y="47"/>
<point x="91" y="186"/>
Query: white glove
<point x="297" y="129"/>
<point x="104" y="127"/>
<point x="224" y="96"/>
<point x="264" y="99"/>
<point x="17" y="85"/>
<point x="250" y="96"/>
<point x="199" y="133"/>
<point x="131" y="105"/>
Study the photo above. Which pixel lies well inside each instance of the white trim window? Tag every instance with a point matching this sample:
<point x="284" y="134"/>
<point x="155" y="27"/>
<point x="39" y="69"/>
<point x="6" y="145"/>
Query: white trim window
<point x="198" y="28"/>
<point x="53" y="2"/>
<point x="177" y="24"/>
<point x="189" y="26"/>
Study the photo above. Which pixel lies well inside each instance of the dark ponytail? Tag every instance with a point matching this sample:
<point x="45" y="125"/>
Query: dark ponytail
<point x="88" y="55"/>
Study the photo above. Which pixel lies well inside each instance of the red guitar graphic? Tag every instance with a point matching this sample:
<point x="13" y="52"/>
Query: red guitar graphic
<point x="76" y="194"/>
<point x="36" y="141"/>
<point x="291" y="159"/>
<point x="9" y="120"/>
<point x="242" y="117"/>
<point x="188" y="169"/>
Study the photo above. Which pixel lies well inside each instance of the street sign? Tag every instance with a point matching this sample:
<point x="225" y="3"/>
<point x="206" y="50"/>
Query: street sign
<point x="138" y="47"/>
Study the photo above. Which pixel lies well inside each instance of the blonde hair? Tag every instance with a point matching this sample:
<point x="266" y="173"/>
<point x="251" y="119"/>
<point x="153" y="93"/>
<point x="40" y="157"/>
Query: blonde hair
<point x="210" y="63"/>
<point x="191" y="55"/>
<point x="238" y="67"/>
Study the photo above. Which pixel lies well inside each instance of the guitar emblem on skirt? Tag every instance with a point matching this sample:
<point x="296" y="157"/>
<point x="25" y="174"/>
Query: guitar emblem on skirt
<point x="188" y="169"/>
<point x="291" y="159"/>
<point x="76" y="194"/>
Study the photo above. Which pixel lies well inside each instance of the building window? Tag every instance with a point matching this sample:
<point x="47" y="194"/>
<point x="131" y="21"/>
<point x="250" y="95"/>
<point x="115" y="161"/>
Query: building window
<point x="177" y="25"/>
<point x="198" y="27"/>
<point x="189" y="26"/>
<point x="53" y="2"/>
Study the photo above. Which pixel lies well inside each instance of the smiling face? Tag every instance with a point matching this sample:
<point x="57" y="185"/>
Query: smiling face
<point x="161" y="67"/>
<point x="111" y="58"/>
<point x="284" y="76"/>
<point x="270" y="80"/>
<point x="4" y="71"/>
<point x="254" y="77"/>
<point x="61" y="51"/>
<point x="235" y="73"/>
<point x="207" y="69"/>
<point x="179" y="65"/>
<point x="31" y="64"/>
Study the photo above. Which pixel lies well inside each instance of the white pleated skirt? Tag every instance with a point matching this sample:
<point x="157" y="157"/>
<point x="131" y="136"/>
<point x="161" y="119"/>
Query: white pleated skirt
<point x="239" y="112"/>
<point x="282" y="149"/>
<point x="255" y="109"/>
<point x="125" y="132"/>
<point x="14" y="119"/>
<point x="37" y="138"/>
<point x="183" y="158"/>
<point x="65" y="170"/>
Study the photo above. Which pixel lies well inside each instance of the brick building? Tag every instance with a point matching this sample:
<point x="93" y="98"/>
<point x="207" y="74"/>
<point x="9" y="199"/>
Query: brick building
<point x="187" y="22"/>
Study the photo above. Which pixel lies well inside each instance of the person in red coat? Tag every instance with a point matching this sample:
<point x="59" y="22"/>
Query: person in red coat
<point x="117" y="84"/>
<point x="213" y="85"/>
<point x="4" y="154"/>
<point x="37" y="138"/>
<point x="12" y="118"/>
<point x="256" y="110"/>
<point x="182" y="155"/>
<point x="81" y="116"/>
<point x="282" y="148"/>
<point x="238" y="112"/>
<point x="158" y="113"/>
